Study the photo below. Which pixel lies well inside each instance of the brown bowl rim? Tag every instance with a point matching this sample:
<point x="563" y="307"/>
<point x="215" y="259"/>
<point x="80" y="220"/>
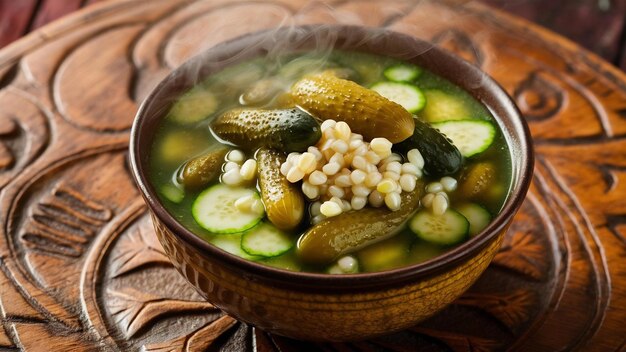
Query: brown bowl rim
<point x="442" y="61"/>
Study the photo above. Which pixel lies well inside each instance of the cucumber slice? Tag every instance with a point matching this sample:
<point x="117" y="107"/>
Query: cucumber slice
<point x="178" y="145"/>
<point x="447" y="229"/>
<point x="195" y="105"/>
<point x="388" y="254"/>
<point x="407" y="95"/>
<point x="215" y="210"/>
<point x="471" y="137"/>
<point x="232" y="245"/>
<point x="402" y="73"/>
<point x="477" y="216"/>
<point x="285" y="261"/>
<point x="422" y="251"/>
<point x="441" y="106"/>
<point x="172" y="193"/>
<point x="266" y="240"/>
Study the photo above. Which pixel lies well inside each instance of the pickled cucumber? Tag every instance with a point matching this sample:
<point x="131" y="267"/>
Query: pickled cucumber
<point x="193" y="106"/>
<point x="284" y="202"/>
<point x="348" y="232"/>
<point x="367" y="112"/>
<point x="200" y="171"/>
<point x="176" y="146"/>
<point x="440" y="155"/>
<point x="288" y="129"/>
<point x="388" y="254"/>
<point x="477" y="180"/>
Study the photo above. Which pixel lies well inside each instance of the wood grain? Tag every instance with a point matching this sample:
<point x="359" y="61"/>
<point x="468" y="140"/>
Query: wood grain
<point x="600" y="25"/>
<point x="80" y="268"/>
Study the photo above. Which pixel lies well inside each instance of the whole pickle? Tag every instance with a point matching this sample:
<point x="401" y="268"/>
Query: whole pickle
<point x="477" y="180"/>
<point x="201" y="170"/>
<point x="328" y="97"/>
<point x="440" y="155"/>
<point x="325" y="242"/>
<point x="284" y="202"/>
<point x="287" y="129"/>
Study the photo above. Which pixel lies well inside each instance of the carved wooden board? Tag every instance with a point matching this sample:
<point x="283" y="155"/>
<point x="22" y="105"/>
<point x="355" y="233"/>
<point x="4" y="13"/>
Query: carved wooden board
<point x="81" y="268"/>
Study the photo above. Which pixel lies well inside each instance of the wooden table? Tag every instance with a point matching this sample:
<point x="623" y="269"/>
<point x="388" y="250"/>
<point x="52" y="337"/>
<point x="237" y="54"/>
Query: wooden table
<point x="80" y="268"/>
<point x="598" y="25"/>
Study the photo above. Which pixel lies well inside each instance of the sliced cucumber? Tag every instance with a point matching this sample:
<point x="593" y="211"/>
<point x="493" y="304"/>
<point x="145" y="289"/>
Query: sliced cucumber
<point x="441" y="106"/>
<point x="471" y="137"/>
<point x="172" y="193"/>
<point x="215" y="210"/>
<point x="388" y="254"/>
<point x="266" y="240"/>
<point x="447" y="229"/>
<point x="178" y="145"/>
<point x="195" y="105"/>
<point x="232" y="245"/>
<point x="422" y="251"/>
<point x="477" y="216"/>
<point x="407" y="95"/>
<point x="285" y="261"/>
<point x="402" y="73"/>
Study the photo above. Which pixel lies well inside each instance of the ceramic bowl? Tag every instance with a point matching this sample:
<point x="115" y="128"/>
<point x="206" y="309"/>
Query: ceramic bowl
<point x="317" y="306"/>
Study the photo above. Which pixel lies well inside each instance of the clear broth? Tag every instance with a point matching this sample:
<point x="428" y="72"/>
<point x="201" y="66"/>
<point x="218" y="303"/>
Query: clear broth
<point x="401" y="250"/>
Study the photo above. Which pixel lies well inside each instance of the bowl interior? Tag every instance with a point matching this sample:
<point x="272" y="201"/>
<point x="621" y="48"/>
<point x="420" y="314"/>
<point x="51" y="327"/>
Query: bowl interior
<point x="328" y="37"/>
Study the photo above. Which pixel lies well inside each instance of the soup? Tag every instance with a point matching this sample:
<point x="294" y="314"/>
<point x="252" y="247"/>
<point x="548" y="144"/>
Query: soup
<point x="336" y="163"/>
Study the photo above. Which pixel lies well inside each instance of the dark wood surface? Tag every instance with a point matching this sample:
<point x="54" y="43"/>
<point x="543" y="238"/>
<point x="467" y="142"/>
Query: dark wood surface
<point x="80" y="268"/>
<point x="597" y="25"/>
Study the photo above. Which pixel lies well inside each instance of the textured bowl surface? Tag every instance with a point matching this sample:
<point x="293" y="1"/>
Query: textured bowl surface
<point x="317" y="306"/>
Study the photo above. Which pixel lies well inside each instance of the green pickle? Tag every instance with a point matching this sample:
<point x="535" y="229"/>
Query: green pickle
<point x="365" y="111"/>
<point x="287" y="129"/>
<point x="284" y="202"/>
<point x="202" y="170"/>
<point x="325" y="242"/>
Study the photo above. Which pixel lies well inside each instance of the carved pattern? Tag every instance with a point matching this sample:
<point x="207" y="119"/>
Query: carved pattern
<point x="538" y="98"/>
<point x="134" y="310"/>
<point x="199" y="340"/>
<point x="522" y="253"/>
<point x="7" y="130"/>
<point x="63" y="223"/>
<point x="137" y="250"/>
<point x="78" y="97"/>
<point x="460" y="342"/>
<point x="23" y="132"/>
<point x="510" y="308"/>
<point x="563" y="257"/>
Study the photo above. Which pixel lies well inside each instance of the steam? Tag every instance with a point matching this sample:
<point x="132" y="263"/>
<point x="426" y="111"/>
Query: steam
<point x="288" y="35"/>
<point x="285" y="25"/>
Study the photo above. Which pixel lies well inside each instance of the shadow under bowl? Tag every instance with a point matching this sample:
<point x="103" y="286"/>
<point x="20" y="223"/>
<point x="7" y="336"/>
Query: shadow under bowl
<point x="323" y="307"/>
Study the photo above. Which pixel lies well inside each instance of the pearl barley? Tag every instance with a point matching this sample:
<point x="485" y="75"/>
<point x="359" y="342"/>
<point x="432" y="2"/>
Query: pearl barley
<point x="349" y="171"/>
<point x="381" y="146"/>
<point x="329" y="209"/>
